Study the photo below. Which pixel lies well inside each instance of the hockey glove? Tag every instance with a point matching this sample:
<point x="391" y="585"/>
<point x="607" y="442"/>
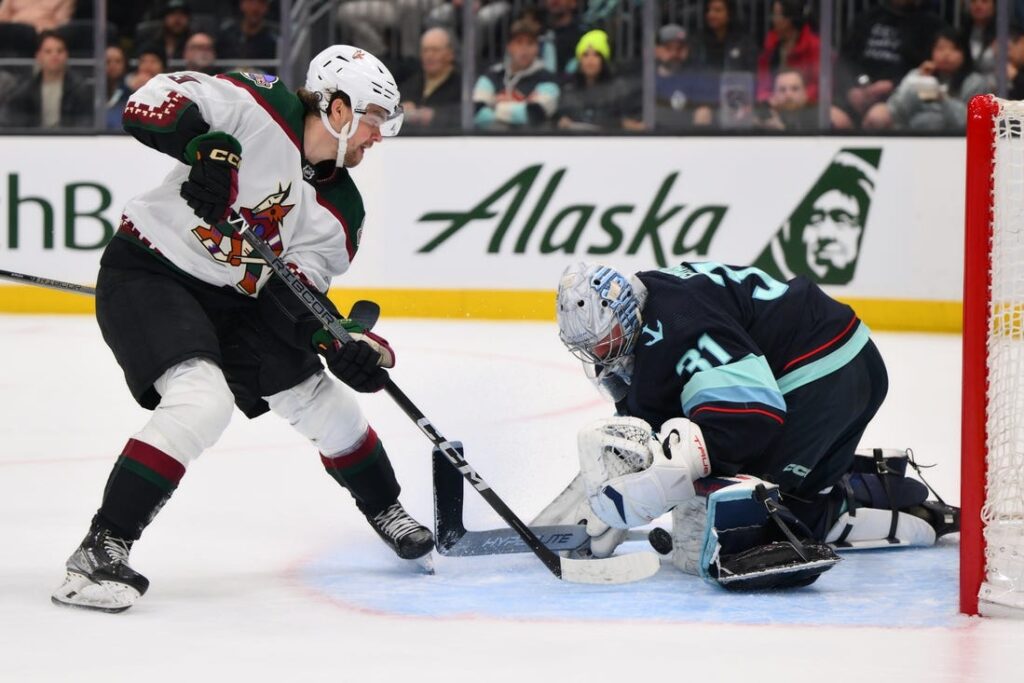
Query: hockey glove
<point x="212" y="184"/>
<point x="358" y="363"/>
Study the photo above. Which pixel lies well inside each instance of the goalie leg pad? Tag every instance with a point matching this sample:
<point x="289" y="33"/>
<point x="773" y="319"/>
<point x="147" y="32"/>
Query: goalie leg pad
<point x="750" y="541"/>
<point x="878" y="506"/>
<point x="571" y="507"/>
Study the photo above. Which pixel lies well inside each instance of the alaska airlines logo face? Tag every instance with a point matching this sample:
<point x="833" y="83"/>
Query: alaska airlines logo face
<point x="822" y="237"/>
<point x="265" y="220"/>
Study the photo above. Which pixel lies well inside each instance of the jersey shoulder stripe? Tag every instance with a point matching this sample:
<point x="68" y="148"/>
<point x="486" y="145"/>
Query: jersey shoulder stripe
<point x="283" y="106"/>
<point x="827" y="364"/>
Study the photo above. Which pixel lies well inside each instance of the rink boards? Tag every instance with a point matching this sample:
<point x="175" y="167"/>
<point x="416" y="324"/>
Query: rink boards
<point x="482" y="227"/>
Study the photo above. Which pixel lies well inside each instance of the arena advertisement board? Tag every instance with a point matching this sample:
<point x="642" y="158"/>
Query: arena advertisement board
<point x="875" y="219"/>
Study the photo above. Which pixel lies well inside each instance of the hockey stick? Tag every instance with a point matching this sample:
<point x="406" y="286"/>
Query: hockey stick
<point x="454" y="540"/>
<point x="621" y="569"/>
<point x="46" y="282"/>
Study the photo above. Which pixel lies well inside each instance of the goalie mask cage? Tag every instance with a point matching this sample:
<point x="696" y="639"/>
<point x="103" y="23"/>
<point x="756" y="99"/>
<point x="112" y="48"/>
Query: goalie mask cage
<point x="992" y="447"/>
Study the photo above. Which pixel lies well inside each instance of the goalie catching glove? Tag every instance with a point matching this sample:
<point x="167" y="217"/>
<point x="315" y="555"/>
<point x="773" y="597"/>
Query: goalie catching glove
<point x="633" y="476"/>
<point x="359" y="363"/>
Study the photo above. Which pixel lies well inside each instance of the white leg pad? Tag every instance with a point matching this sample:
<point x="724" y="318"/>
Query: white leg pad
<point x="870" y="529"/>
<point x="689" y="523"/>
<point x="324" y="411"/>
<point x="195" y="409"/>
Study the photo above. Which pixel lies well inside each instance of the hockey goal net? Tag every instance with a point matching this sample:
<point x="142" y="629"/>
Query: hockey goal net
<point x="992" y="468"/>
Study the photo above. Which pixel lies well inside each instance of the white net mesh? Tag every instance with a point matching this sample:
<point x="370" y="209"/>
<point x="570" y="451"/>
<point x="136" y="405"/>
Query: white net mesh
<point x="1003" y="511"/>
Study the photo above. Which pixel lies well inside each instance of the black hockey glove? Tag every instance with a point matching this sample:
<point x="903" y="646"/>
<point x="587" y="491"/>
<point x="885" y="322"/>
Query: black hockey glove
<point x="212" y="184"/>
<point x="358" y="363"/>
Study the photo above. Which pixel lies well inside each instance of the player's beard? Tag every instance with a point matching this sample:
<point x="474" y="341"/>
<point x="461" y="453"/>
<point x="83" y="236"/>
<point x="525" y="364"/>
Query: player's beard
<point x="353" y="157"/>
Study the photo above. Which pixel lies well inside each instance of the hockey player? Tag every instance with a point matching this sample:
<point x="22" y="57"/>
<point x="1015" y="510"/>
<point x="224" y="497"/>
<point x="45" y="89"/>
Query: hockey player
<point x="198" y="324"/>
<point x="743" y="401"/>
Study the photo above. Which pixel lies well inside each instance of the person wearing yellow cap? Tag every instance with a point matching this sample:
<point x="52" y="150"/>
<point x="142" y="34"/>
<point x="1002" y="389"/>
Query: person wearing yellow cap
<point x="593" y="99"/>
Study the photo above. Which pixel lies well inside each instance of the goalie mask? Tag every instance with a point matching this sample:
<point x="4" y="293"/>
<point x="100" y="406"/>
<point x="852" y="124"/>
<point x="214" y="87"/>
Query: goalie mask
<point x="364" y="79"/>
<point x="598" y="313"/>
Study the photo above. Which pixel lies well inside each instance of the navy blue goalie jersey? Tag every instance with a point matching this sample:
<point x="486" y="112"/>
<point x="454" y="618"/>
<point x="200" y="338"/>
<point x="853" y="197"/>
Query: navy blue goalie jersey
<point x="724" y="345"/>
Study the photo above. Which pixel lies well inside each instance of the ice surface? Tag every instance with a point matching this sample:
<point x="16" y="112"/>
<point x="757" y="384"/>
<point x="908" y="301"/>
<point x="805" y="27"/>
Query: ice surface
<point x="262" y="569"/>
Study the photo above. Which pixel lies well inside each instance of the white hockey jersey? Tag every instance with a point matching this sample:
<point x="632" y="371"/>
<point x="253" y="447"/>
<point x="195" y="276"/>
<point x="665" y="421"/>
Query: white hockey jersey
<point x="313" y="224"/>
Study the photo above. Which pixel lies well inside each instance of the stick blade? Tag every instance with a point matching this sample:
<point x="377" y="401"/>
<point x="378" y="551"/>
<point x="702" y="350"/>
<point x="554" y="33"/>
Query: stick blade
<point x="611" y="570"/>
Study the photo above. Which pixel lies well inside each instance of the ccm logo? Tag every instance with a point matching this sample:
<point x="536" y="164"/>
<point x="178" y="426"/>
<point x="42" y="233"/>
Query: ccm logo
<point x="225" y="155"/>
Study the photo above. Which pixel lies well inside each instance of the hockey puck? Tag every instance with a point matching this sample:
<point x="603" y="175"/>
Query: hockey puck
<point x="660" y="540"/>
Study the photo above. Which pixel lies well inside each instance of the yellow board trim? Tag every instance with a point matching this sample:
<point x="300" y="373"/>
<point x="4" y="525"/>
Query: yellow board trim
<point x="492" y="304"/>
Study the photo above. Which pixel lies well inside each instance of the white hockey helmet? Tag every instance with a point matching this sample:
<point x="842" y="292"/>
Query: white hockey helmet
<point x="364" y="79"/>
<point x="598" y="313"/>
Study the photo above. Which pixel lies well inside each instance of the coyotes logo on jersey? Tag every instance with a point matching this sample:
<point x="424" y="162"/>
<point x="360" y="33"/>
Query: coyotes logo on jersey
<point x="265" y="220"/>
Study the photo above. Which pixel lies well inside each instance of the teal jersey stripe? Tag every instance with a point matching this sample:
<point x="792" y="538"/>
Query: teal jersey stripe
<point x="748" y="380"/>
<point x="827" y="364"/>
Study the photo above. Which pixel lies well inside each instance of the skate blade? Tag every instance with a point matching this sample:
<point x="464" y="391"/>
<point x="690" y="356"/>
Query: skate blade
<point x="425" y="564"/>
<point x="80" y="591"/>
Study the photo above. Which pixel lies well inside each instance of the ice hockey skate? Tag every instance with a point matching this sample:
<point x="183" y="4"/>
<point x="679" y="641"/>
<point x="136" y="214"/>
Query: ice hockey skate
<point x="408" y="538"/>
<point x="98" y="575"/>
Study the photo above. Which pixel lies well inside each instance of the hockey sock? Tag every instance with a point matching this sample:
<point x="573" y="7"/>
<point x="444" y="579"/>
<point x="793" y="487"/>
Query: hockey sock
<point x="367" y="474"/>
<point x="142" y="480"/>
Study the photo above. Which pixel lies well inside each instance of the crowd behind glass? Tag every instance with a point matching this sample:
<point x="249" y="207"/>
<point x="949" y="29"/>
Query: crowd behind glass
<point x="592" y="66"/>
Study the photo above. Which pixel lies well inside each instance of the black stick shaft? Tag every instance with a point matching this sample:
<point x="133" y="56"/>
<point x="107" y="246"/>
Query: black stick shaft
<point x="550" y="559"/>
<point x="46" y="282"/>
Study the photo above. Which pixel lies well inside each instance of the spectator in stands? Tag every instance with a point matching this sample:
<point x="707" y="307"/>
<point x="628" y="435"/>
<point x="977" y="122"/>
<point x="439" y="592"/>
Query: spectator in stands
<point x="54" y="97"/>
<point x="519" y="92"/>
<point x="250" y="36"/>
<point x="117" y="86"/>
<point x="790" y="44"/>
<point x="789" y="107"/>
<point x="593" y="99"/>
<point x="200" y="53"/>
<point x="724" y="45"/>
<point x="174" y="30"/>
<point x="1015" y="62"/>
<point x="43" y="15"/>
<point x="488" y="13"/>
<point x="884" y="44"/>
<point x="933" y="96"/>
<point x="978" y="28"/>
<point x="433" y="95"/>
<point x="151" y="62"/>
<point x="562" y="31"/>
<point x="685" y="93"/>
<point x="366" y="22"/>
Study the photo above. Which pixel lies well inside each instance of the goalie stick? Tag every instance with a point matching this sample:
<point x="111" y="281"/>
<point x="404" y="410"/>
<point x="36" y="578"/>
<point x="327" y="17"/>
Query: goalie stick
<point x="454" y="540"/>
<point x="46" y="282"/>
<point x="620" y="569"/>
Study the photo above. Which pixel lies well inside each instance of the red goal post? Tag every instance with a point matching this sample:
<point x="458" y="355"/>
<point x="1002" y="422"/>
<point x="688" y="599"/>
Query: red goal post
<point x="992" y="440"/>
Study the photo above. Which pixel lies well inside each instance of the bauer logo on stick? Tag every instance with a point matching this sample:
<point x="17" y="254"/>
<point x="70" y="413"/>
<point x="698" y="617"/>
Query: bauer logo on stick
<point x="821" y="239"/>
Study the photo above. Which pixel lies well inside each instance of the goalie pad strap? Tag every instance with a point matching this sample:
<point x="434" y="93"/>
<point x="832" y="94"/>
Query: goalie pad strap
<point x="883" y="473"/>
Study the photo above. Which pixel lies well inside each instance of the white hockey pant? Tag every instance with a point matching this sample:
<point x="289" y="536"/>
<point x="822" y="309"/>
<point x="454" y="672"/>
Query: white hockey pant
<point x="325" y="412"/>
<point x="194" y="410"/>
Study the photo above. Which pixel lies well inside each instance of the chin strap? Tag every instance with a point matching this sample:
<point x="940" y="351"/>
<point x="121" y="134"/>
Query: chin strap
<point x="346" y="132"/>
